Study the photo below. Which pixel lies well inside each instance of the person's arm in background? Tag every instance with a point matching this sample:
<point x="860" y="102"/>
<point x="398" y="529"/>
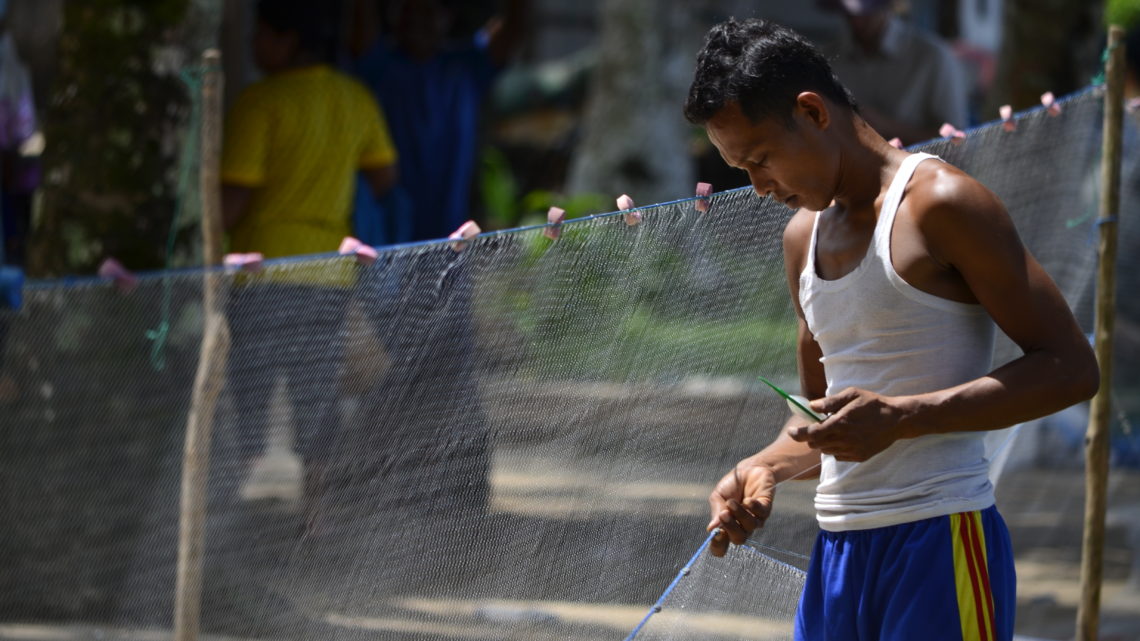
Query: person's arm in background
<point x="377" y="160"/>
<point x="380" y="179"/>
<point x="244" y="150"/>
<point x="235" y="204"/>
<point x="506" y="33"/>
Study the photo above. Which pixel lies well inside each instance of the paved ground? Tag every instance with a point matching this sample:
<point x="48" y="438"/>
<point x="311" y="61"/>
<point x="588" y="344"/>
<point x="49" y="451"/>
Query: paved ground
<point x="488" y="593"/>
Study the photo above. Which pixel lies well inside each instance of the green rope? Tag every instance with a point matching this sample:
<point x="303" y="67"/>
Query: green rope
<point x="1073" y="222"/>
<point x="158" y="336"/>
<point x="1098" y="79"/>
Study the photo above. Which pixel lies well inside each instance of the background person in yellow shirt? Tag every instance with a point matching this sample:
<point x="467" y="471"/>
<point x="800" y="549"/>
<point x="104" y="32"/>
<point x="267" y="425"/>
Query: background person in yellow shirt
<point x="294" y="143"/>
<point x="295" y="139"/>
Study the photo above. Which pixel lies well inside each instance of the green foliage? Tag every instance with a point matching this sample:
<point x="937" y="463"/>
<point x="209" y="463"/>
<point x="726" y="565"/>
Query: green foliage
<point x="600" y="305"/>
<point x="499" y="189"/>
<point x="505" y="207"/>
<point x="1125" y="13"/>
<point x="113" y="130"/>
<point x="604" y="306"/>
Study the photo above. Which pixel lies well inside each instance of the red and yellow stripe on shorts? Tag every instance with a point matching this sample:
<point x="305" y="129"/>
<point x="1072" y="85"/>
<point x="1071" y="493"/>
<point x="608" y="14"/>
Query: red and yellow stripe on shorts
<point x="972" y="576"/>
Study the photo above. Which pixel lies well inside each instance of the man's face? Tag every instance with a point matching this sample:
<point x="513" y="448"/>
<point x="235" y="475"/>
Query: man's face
<point x="273" y="50"/>
<point x="785" y="162"/>
<point x="868" y="28"/>
<point x="422" y="26"/>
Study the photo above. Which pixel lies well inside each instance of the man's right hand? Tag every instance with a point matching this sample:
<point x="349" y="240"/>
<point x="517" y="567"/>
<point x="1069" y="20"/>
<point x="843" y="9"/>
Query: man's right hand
<point x="740" y="503"/>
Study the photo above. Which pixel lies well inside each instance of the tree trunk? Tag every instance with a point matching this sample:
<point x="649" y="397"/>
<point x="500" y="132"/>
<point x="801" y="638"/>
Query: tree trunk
<point x="114" y="129"/>
<point x="635" y="139"/>
<point x="1048" y="45"/>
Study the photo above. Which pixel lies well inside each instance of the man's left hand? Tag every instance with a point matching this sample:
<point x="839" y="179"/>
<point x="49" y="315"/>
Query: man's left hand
<point x="861" y="424"/>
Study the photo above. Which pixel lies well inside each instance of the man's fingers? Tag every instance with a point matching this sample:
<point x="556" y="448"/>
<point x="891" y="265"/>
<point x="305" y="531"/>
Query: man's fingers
<point x="719" y="544"/>
<point x="817" y="435"/>
<point x="733" y="530"/>
<point x="833" y="403"/>
<point x="744" y="517"/>
<point x="760" y="510"/>
<point x="730" y="529"/>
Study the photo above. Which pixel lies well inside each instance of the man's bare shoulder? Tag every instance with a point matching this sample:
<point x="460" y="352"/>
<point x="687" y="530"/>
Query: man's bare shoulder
<point x="940" y="192"/>
<point x="798" y="230"/>
<point x="797" y="237"/>
<point x="957" y="215"/>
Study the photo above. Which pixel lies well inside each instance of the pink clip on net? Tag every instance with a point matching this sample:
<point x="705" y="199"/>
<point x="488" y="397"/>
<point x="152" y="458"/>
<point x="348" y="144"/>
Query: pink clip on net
<point x="466" y="231"/>
<point x="554" y="218"/>
<point x="895" y="142"/>
<point x="244" y="262"/>
<point x="365" y="254"/>
<point x="124" y="280"/>
<point x="1007" y="121"/>
<point x="348" y="246"/>
<point x="704" y="192"/>
<point x="948" y="130"/>
<point x="1050" y="103"/>
<point x="625" y="203"/>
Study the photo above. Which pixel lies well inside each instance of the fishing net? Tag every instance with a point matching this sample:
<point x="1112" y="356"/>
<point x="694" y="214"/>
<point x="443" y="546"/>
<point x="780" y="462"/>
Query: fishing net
<point x="509" y="439"/>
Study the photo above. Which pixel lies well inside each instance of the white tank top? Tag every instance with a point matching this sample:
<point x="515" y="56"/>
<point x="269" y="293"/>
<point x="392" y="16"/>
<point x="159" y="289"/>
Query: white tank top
<point x="881" y="334"/>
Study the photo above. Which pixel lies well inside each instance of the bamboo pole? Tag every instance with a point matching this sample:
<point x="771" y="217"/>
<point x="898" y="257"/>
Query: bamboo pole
<point x="1097" y="436"/>
<point x="211" y="364"/>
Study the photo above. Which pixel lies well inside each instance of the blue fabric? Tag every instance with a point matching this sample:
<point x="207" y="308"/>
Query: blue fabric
<point x="432" y="108"/>
<point x="897" y="583"/>
<point x="383" y="221"/>
<point x="11" y="287"/>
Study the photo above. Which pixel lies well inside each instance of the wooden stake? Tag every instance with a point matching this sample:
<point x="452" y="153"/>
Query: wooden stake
<point x="1097" y="437"/>
<point x="211" y="365"/>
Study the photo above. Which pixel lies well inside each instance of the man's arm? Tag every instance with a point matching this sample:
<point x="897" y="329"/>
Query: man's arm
<point x="966" y="228"/>
<point x="742" y="500"/>
<point x="380" y="179"/>
<point x="506" y="33"/>
<point x="235" y="204"/>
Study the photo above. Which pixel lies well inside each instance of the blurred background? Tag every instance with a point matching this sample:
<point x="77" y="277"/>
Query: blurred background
<point x="97" y="173"/>
<point x="496" y="110"/>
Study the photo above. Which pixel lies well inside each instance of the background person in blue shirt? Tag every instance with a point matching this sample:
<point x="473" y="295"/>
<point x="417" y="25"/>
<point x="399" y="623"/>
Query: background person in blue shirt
<point x="432" y="91"/>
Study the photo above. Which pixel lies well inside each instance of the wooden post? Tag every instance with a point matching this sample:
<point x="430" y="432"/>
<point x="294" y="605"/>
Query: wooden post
<point x="1097" y="437"/>
<point x="211" y="364"/>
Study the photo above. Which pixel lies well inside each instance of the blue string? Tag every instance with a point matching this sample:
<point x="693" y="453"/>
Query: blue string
<point x="677" y="579"/>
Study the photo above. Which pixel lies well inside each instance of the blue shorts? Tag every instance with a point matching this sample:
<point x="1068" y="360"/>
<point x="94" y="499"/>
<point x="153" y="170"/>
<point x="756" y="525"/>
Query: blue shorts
<point x="946" y="578"/>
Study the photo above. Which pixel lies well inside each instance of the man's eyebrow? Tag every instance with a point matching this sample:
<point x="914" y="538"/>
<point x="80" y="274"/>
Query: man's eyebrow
<point x="725" y="159"/>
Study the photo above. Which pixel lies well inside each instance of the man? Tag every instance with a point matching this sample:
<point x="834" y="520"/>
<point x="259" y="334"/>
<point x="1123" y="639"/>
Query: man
<point x="432" y="90"/>
<point x="907" y="82"/>
<point x="295" y="139"/>
<point x="294" y="143"/>
<point x="899" y="266"/>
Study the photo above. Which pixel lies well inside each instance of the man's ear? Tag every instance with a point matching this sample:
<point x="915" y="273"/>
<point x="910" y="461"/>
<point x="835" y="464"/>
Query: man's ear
<point x="813" y="108"/>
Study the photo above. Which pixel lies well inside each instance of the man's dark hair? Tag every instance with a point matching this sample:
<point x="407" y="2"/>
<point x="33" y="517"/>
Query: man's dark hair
<point x="310" y="20"/>
<point x="761" y="65"/>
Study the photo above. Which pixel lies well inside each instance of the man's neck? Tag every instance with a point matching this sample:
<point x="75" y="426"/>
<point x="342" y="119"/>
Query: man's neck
<point x="867" y="164"/>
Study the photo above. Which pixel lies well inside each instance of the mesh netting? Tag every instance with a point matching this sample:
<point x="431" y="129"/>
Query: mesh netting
<point x="512" y="441"/>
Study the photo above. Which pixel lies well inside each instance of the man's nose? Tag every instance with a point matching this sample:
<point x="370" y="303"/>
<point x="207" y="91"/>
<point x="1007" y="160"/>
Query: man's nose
<point x="761" y="183"/>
